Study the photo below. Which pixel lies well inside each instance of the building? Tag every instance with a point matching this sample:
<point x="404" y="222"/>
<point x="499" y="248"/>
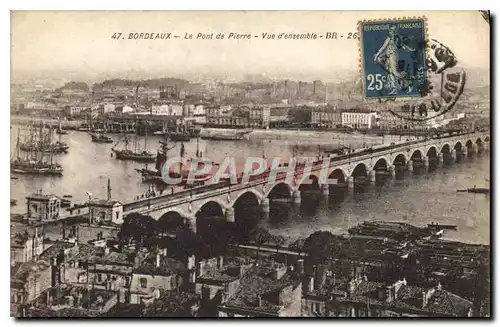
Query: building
<point x="270" y="290"/>
<point x="105" y="212"/>
<point x="73" y="301"/>
<point x="27" y="282"/>
<point x="359" y="118"/>
<point x="155" y="273"/>
<point x="25" y="245"/>
<point x="330" y="119"/>
<point x="364" y="298"/>
<point x="43" y="207"/>
<point x="76" y="110"/>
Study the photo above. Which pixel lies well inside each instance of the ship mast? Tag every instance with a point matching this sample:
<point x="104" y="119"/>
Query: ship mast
<point x="109" y="189"/>
<point x="197" y="147"/>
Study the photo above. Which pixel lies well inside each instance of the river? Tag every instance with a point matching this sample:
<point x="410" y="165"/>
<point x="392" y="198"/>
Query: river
<point x="416" y="198"/>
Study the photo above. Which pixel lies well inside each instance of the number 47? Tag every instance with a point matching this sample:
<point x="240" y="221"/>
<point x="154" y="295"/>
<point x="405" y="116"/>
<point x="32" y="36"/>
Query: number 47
<point x="377" y="79"/>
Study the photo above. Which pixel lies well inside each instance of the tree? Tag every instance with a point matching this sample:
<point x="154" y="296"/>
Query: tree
<point x="259" y="236"/>
<point x="140" y="228"/>
<point x="319" y="245"/>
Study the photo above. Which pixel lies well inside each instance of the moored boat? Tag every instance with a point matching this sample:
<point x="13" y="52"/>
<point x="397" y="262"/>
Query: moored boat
<point x="441" y="226"/>
<point x="127" y="154"/>
<point x="100" y="138"/>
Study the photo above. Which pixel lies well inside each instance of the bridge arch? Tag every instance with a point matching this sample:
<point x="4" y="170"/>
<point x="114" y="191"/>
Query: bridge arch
<point x="246" y="209"/>
<point x="381" y="163"/>
<point x="432" y="151"/>
<point x="339" y="174"/>
<point x="487" y="139"/>
<point x="417" y="154"/>
<point x="446" y="148"/>
<point x="399" y="159"/>
<point x="360" y="169"/>
<point x="279" y="189"/>
<point x="253" y="191"/>
<point x="210" y="208"/>
<point x="170" y="221"/>
<point x="308" y="182"/>
<point x="479" y="141"/>
<point x="468" y="144"/>
<point x="458" y="146"/>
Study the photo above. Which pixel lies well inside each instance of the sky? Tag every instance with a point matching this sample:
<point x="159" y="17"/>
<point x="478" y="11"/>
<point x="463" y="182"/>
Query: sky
<point x="81" y="42"/>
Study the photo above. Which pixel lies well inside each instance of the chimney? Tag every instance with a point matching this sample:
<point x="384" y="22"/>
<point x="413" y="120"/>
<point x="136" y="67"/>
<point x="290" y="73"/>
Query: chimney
<point x="158" y="257"/>
<point x="259" y="301"/>
<point x="106" y="250"/>
<point x="389" y="293"/>
<point x="220" y="262"/>
<point x="426" y="296"/>
<point x="279" y="272"/>
<point x="424" y="299"/>
<point x="310" y="284"/>
<point x="164" y="252"/>
<point x="300" y="266"/>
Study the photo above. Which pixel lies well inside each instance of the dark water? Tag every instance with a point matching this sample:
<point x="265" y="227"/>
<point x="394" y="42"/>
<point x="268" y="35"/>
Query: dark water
<point x="417" y="199"/>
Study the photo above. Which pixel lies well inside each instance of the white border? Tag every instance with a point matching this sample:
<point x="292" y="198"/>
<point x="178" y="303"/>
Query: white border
<point x="191" y="5"/>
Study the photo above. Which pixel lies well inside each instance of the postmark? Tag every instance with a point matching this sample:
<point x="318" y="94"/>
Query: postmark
<point x="446" y="82"/>
<point x="394" y="58"/>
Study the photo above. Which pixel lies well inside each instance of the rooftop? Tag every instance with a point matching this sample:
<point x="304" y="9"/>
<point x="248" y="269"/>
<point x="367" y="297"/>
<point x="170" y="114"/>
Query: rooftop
<point x="259" y="281"/>
<point x="20" y="271"/>
<point x="167" y="267"/>
<point x="41" y="196"/>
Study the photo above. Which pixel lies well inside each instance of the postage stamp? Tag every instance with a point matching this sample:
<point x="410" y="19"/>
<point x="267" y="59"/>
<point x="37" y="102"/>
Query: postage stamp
<point x="394" y="58"/>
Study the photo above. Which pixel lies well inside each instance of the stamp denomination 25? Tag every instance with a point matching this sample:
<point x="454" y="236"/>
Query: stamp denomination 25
<point x="394" y="58"/>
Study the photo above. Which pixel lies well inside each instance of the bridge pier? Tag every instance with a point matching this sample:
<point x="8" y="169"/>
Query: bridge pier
<point x="230" y="215"/>
<point x="296" y="198"/>
<point x="264" y="205"/>
<point x="454" y="154"/>
<point x="372" y="175"/>
<point x="325" y="189"/>
<point x="191" y="223"/>
<point x="409" y="165"/>
<point x="426" y="162"/>
<point x="465" y="151"/>
<point x="440" y="158"/>
<point x="392" y="170"/>
<point x="475" y="148"/>
<point x="350" y="181"/>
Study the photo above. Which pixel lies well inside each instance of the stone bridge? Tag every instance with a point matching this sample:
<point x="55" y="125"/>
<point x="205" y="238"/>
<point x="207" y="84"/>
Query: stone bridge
<point x="363" y="164"/>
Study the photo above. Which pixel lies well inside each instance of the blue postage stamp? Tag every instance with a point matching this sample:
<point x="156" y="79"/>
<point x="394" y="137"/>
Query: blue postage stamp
<point x="393" y="58"/>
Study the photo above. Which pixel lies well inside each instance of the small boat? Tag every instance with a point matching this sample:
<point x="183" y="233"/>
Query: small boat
<point x="479" y="190"/>
<point x="61" y="131"/>
<point x="13" y="202"/>
<point x="441" y="226"/>
<point x="13" y="177"/>
<point x="100" y="138"/>
<point x="67" y="196"/>
<point x="180" y="137"/>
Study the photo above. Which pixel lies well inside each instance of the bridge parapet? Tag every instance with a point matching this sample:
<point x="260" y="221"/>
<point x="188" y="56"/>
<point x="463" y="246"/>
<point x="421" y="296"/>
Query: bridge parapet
<point x="203" y="193"/>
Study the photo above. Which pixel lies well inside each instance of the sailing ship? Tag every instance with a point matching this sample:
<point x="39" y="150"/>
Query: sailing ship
<point x="180" y="135"/>
<point x="135" y="155"/>
<point x="33" y="161"/>
<point x="44" y="142"/>
<point x="156" y="176"/>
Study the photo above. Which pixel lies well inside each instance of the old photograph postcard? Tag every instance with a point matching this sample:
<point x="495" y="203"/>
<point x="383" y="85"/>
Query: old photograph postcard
<point x="250" y="164"/>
